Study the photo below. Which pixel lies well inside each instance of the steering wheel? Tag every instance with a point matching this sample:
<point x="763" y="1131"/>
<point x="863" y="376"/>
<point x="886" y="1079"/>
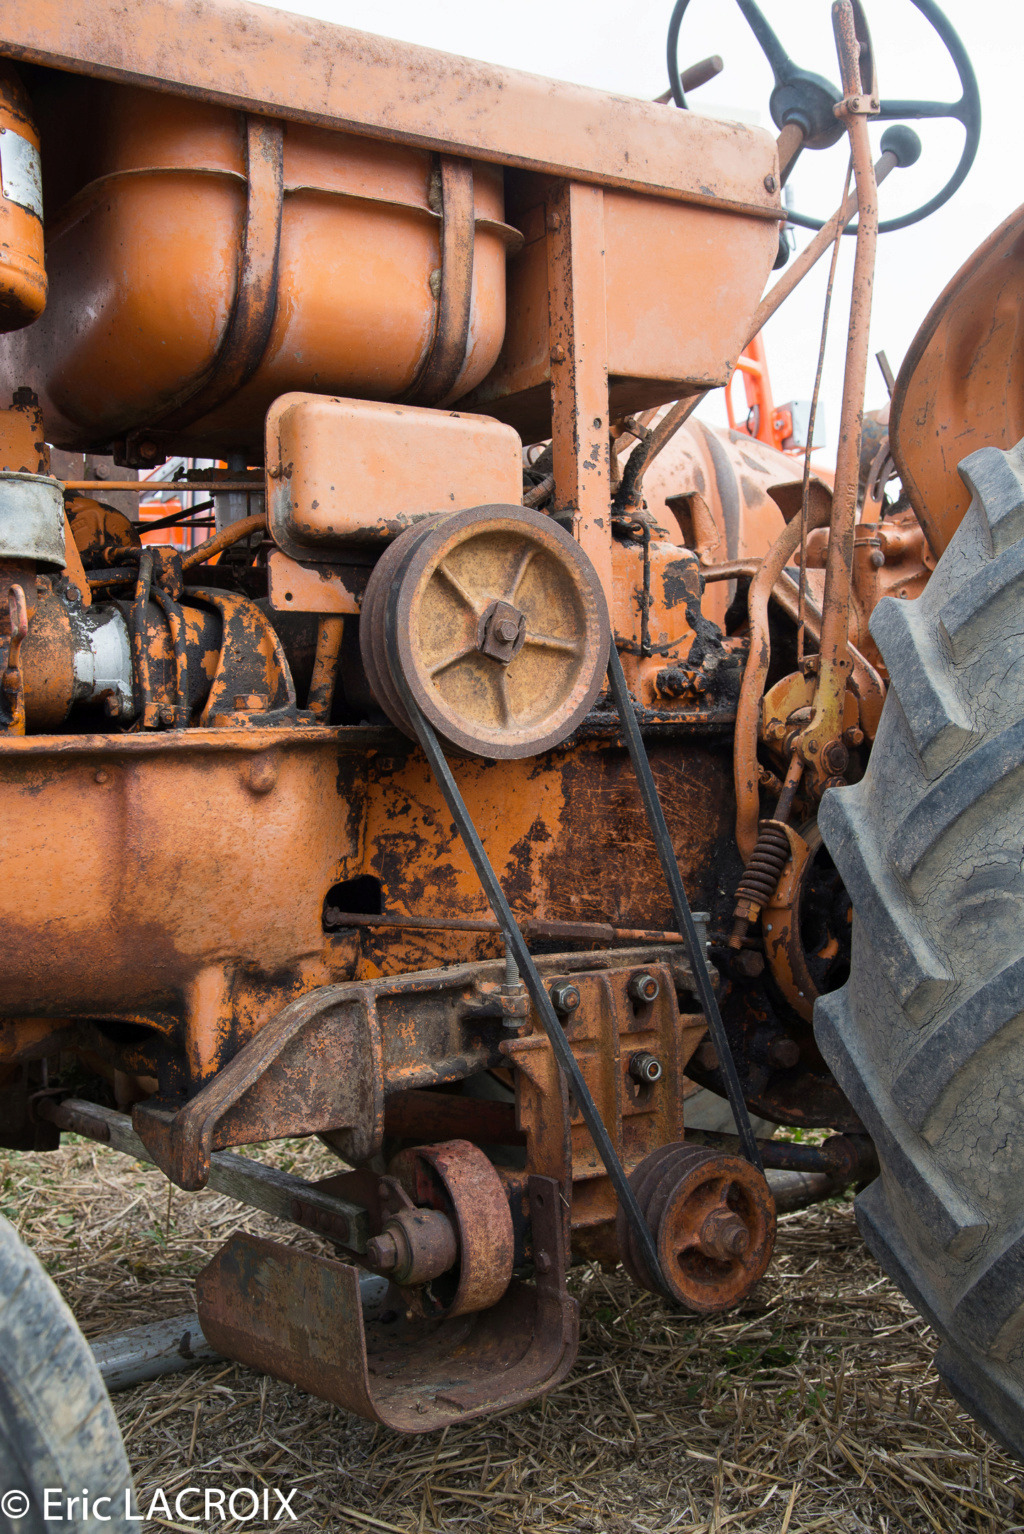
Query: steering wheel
<point x="806" y="100"/>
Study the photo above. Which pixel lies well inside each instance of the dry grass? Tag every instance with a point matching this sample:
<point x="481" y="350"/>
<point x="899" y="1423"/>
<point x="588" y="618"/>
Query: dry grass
<point x="815" y="1407"/>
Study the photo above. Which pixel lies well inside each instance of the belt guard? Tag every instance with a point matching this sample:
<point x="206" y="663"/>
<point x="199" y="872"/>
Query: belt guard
<point x="299" y="1317"/>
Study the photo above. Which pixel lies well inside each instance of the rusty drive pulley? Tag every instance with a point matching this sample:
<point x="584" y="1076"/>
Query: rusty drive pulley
<point x="500" y="629"/>
<point x="712" y="1217"/>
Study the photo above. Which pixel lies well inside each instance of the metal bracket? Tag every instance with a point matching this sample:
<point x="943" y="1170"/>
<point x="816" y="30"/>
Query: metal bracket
<point x="300" y="1317"/>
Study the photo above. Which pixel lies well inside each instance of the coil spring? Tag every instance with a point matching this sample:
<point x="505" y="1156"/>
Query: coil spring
<point x="767" y="861"/>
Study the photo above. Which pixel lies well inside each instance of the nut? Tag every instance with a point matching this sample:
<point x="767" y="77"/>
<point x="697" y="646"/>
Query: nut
<point x="724" y="1235"/>
<point x="645" y="1068"/>
<point x="382" y="1252"/>
<point x="565" y="997"/>
<point x="836" y="756"/>
<point x="784" y="1052"/>
<point x="769" y="183"/>
<point x="643" y="988"/>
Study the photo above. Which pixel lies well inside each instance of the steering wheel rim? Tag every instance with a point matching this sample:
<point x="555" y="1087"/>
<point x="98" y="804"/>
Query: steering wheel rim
<point x="966" y="111"/>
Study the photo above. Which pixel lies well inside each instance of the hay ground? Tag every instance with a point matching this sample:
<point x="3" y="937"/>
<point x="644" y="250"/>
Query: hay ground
<point x="814" y="1407"/>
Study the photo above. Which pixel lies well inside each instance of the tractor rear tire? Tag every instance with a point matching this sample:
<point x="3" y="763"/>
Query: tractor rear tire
<point x="57" y="1426"/>
<point x="927" y="1037"/>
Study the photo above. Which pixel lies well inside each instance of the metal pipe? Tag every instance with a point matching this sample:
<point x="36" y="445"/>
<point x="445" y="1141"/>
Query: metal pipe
<point x="798" y="1190"/>
<point x="224" y="540"/>
<point x="329" y="634"/>
<point x="161" y="486"/>
<point x="176" y="624"/>
<point x="140" y="648"/>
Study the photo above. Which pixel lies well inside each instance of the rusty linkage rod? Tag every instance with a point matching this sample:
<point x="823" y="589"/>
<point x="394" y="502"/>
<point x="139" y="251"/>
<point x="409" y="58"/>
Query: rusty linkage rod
<point x="820" y="743"/>
<point x="224" y="540"/>
<point x="845" y="1159"/>
<point x="571" y="931"/>
<point x="817" y="750"/>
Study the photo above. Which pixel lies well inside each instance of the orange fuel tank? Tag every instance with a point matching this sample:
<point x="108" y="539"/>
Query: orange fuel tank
<point x="250" y="257"/>
<point x="22" y="272"/>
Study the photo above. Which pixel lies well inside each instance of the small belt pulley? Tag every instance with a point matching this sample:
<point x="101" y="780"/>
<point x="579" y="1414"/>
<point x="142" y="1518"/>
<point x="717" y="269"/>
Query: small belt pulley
<point x="487" y="630"/>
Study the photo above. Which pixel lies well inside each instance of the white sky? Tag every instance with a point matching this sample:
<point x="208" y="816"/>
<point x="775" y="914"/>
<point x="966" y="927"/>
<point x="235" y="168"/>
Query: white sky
<point x="621" y="48"/>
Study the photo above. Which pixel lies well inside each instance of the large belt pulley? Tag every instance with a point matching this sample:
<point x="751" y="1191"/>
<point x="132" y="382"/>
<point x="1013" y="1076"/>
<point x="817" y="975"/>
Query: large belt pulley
<point x="487" y="630"/>
<point x="500" y="630"/>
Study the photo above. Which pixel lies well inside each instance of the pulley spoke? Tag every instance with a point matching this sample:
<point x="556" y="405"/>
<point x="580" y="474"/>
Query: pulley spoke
<point x="476" y="607"/>
<point x="501" y="688"/>
<point x="552" y="642"/>
<point x="528" y="556"/>
<point x="451" y="660"/>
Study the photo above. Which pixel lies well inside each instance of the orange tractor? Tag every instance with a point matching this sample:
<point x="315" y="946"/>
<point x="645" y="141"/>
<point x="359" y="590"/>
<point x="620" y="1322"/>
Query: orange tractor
<point x="461" y="799"/>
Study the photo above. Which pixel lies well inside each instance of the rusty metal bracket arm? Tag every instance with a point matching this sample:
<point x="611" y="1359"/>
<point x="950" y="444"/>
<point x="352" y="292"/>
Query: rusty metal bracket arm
<point x="528" y="970"/>
<point x="249" y="1182"/>
<point x="681" y="906"/>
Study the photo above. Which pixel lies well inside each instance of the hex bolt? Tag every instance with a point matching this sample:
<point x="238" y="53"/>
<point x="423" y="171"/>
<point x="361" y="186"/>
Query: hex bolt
<point x="643" y="987"/>
<point x="645" y="1068"/>
<point x="565" y="997"/>
<point x="382" y="1252"/>
<point x="507" y="631"/>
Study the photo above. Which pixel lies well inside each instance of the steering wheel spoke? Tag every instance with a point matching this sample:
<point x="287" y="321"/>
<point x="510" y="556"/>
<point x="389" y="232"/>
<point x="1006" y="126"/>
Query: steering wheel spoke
<point x="782" y="65"/>
<point x="890" y="111"/>
<point x="805" y="100"/>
